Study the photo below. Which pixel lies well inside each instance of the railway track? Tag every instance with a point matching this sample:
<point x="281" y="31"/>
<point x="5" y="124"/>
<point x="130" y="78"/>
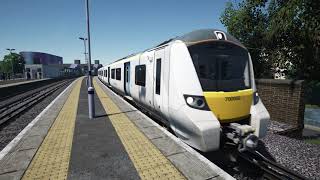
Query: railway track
<point x="271" y="170"/>
<point x="12" y="109"/>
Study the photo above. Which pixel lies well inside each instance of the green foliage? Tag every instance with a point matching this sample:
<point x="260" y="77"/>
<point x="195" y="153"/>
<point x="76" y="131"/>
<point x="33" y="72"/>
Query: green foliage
<point x="313" y="141"/>
<point x="312" y="94"/>
<point x="13" y="62"/>
<point x="278" y="33"/>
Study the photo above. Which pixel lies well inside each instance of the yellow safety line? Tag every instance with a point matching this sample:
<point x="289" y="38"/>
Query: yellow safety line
<point x="147" y="159"/>
<point x="52" y="158"/>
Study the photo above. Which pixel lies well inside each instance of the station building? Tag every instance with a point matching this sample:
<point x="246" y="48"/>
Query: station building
<point x="40" y="65"/>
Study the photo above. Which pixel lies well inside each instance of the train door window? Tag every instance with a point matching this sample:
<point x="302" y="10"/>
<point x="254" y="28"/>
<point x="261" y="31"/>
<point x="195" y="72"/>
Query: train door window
<point x="140" y="75"/>
<point x="127" y="73"/>
<point x="118" y="74"/>
<point x="158" y="76"/>
<point x="112" y="73"/>
<point x="105" y="73"/>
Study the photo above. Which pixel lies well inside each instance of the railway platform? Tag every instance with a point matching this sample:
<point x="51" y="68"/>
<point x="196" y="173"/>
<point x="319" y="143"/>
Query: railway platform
<point x="4" y="84"/>
<point x="119" y="143"/>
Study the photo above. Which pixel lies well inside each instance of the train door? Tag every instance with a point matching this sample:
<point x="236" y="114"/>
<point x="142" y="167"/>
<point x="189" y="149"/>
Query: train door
<point x="127" y="78"/>
<point x="109" y="75"/>
<point x="146" y="91"/>
<point x="159" y="58"/>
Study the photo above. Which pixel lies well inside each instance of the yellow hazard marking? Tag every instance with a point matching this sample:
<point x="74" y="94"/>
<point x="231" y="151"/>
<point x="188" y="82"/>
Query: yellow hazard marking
<point x="147" y="159"/>
<point x="52" y="158"/>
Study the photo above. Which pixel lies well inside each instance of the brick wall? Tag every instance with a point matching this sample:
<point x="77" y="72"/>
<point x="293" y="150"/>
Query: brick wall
<point x="284" y="100"/>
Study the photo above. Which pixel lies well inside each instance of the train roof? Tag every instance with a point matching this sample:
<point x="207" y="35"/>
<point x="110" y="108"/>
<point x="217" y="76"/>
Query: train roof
<point x="192" y="37"/>
<point x="205" y="34"/>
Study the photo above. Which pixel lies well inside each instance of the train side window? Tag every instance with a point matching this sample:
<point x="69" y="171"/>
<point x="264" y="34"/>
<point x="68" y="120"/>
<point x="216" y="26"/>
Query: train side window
<point x="140" y="75"/>
<point x="158" y="76"/>
<point x="112" y="74"/>
<point x="118" y="74"/>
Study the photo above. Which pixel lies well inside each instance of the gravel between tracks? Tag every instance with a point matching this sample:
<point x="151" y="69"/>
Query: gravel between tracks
<point x="11" y="130"/>
<point x="302" y="157"/>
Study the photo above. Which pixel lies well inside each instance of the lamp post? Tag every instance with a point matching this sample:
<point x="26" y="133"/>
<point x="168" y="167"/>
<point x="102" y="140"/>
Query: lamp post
<point x="90" y="88"/>
<point x="85" y="51"/>
<point x="10" y="50"/>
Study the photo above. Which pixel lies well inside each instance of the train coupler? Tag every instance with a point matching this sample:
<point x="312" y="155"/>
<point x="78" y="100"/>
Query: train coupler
<point x="243" y="136"/>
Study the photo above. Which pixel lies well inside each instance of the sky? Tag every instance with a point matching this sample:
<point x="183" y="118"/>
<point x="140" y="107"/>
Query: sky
<point x="118" y="27"/>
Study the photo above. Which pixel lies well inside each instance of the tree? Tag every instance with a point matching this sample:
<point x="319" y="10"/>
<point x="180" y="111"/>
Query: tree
<point x="248" y="22"/>
<point x="278" y="33"/>
<point x="12" y="61"/>
<point x="295" y="30"/>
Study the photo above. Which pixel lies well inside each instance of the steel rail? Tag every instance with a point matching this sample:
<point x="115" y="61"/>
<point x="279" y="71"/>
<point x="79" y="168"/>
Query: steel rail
<point x="24" y="96"/>
<point x="271" y="169"/>
<point x="24" y="103"/>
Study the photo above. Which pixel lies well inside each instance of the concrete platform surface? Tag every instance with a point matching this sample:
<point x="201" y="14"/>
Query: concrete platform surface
<point x="3" y="85"/>
<point x="119" y="143"/>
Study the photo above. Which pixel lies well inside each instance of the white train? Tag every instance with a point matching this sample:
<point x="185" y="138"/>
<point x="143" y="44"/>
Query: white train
<point x="201" y="85"/>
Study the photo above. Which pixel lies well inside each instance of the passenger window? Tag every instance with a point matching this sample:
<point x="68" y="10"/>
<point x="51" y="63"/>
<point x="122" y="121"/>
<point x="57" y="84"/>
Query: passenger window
<point x="140" y="75"/>
<point x="158" y="76"/>
<point x="118" y="74"/>
<point x="112" y="74"/>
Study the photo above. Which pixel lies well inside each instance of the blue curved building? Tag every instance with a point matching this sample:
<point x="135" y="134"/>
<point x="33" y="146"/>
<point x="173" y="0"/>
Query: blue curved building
<point x="41" y="58"/>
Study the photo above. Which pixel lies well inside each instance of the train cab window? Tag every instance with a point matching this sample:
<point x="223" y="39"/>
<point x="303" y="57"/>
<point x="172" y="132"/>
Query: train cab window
<point x="112" y="73"/>
<point x="140" y="75"/>
<point x="158" y="76"/>
<point x="105" y="73"/>
<point x="221" y="66"/>
<point x="118" y="74"/>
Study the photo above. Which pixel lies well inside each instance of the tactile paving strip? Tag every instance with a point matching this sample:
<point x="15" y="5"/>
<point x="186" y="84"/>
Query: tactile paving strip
<point x="147" y="159"/>
<point x="52" y="158"/>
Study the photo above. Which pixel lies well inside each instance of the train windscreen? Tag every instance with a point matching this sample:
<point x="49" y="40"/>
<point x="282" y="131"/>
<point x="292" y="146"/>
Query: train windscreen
<point x="221" y="66"/>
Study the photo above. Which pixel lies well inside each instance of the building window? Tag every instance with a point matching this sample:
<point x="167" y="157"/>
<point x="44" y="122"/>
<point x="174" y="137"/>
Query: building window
<point x="158" y="76"/>
<point x="112" y="74"/>
<point x="118" y="74"/>
<point x="140" y="75"/>
<point x="36" y="61"/>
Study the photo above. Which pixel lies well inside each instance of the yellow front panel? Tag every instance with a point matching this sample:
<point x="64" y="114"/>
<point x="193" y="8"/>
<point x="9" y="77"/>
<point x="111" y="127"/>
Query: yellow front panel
<point x="229" y="106"/>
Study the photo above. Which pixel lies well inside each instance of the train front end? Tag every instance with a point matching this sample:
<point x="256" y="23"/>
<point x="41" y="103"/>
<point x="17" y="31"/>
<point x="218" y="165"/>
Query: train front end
<point x="224" y="70"/>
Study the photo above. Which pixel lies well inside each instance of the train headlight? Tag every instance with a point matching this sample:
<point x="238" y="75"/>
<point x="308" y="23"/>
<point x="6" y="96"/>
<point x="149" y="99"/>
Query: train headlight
<point x="190" y="100"/>
<point x="197" y="102"/>
<point x="255" y="98"/>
